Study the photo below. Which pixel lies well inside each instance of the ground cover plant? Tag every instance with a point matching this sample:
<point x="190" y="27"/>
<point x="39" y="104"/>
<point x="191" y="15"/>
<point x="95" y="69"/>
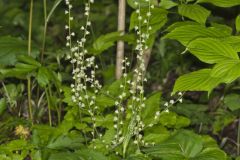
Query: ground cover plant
<point x="113" y="80"/>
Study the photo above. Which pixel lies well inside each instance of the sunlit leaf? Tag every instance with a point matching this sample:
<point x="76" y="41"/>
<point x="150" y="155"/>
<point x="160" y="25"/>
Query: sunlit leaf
<point x="211" y="50"/>
<point x="194" y="12"/>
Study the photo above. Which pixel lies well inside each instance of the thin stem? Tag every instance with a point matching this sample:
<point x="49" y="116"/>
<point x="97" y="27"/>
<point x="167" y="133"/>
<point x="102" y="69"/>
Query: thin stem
<point x="45" y="29"/>
<point x="49" y="107"/>
<point x="29" y="53"/>
<point x="238" y="138"/>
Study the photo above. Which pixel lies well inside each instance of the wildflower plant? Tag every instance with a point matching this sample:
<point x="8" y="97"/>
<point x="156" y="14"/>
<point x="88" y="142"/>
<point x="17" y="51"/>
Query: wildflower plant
<point x="82" y="63"/>
<point x="128" y="123"/>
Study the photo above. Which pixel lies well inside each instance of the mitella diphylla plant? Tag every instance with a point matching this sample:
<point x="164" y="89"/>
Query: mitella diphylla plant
<point x="81" y="63"/>
<point x="127" y="119"/>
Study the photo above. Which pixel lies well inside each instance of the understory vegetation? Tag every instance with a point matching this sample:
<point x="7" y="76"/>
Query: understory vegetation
<point x="120" y="80"/>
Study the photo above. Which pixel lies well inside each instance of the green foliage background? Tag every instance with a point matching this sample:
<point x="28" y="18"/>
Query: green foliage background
<point x="195" y="49"/>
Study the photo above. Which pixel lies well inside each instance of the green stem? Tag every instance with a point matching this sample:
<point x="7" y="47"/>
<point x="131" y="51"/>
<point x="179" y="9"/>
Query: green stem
<point x="29" y="53"/>
<point x="45" y="29"/>
<point x="238" y="138"/>
<point x="49" y="107"/>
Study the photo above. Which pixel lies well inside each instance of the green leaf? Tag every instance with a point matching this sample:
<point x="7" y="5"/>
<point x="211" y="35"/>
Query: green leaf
<point x="223" y="28"/>
<point x="187" y="33"/>
<point x="182" y="122"/>
<point x="167" y="4"/>
<point x="152" y="105"/>
<point x="190" y="143"/>
<point x="238" y="23"/>
<point x="157" y="133"/>
<point x="221" y="3"/>
<point x="184" y="145"/>
<point x="65" y="156"/>
<point x="104" y="101"/>
<point x="43" y="76"/>
<point x="138" y="157"/>
<point x="28" y="60"/>
<point x="227" y="70"/>
<point x="11" y="47"/>
<point x="200" y="80"/>
<point x="106" y="41"/>
<point x="194" y="12"/>
<point x="106" y="121"/>
<point x="233" y="41"/>
<point x="21" y="71"/>
<point x="211" y="154"/>
<point x="91" y="155"/>
<point x="3" y="105"/>
<point x="70" y="141"/>
<point x="180" y="24"/>
<point x="211" y="50"/>
<point x="168" y="151"/>
<point x="157" y="20"/>
<point x="232" y="101"/>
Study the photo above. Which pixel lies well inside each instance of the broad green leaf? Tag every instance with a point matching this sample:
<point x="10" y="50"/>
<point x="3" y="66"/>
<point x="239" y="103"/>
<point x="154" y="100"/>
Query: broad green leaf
<point x="3" y="105"/>
<point x="168" y="119"/>
<point x="232" y="101"/>
<point x="152" y="105"/>
<point x="20" y="71"/>
<point x="106" y="121"/>
<point x="221" y="3"/>
<point x="138" y="157"/>
<point x="187" y="33"/>
<point x="185" y="145"/>
<point x="5" y="157"/>
<point x="194" y="12"/>
<point x="91" y="154"/>
<point x="16" y="145"/>
<point x="180" y="24"/>
<point x="28" y="60"/>
<point x="155" y="137"/>
<point x="157" y="20"/>
<point x="65" y="156"/>
<point x="104" y="101"/>
<point x="190" y="143"/>
<point x="200" y="80"/>
<point x="168" y="151"/>
<point x="209" y="142"/>
<point x="43" y="76"/>
<point x="106" y="41"/>
<point x="223" y="28"/>
<point x="238" y="23"/>
<point x="227" y="70"/>
<point x="211" y="154"/>
<point x="182" y="122"/>
<point x="11" y="47"/>
<point x="233" y="41"/>
<point x="167" y="4"/>
<point x="157" y="133"/>
<point x="70" y="141"/>
<point x="182" y="145"/>
<point x="210" y="50"/>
